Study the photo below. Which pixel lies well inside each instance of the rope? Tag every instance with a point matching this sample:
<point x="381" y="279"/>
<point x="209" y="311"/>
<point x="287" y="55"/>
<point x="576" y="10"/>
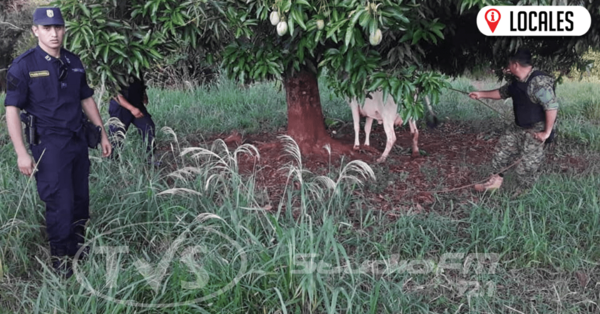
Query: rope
<point x="466" y="93"/>
<point x="473" y="184"/>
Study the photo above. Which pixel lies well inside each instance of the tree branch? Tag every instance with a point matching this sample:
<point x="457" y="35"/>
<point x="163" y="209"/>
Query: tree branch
<point x="12" y="25"/>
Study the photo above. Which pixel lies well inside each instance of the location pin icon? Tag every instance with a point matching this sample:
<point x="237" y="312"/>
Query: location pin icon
<point x="492" y="17"/>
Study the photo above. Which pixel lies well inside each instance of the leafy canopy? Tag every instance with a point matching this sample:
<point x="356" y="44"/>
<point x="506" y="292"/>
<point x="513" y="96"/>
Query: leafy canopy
<point x="362" y="45"/>
<point x="115" y="38"/>
<point x="400" y="47"/>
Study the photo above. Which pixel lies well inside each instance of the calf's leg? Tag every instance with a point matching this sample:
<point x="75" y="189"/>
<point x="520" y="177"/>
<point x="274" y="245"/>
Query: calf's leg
<point x="368" y="124"/>
<point x="356" y="121"/>
<point x="415" y="133"/>
<point x="388" y="126"/>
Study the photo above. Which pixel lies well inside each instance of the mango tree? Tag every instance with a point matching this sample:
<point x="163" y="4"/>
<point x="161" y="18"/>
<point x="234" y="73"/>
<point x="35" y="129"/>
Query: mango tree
<point x="362" y="45"/>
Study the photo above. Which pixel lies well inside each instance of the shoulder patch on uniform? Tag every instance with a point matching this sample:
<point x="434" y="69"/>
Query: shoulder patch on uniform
<point x="544" y="95"/>
<point x="13" y="82"/>
<point x="39" y="73"/>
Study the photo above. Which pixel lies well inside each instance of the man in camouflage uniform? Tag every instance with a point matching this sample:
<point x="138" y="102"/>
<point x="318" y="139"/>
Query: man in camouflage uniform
<point x="535" y="107"/>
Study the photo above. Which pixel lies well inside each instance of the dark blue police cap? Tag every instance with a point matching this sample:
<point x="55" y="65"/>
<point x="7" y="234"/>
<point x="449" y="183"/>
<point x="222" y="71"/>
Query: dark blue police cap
<point x="48" y="16"/>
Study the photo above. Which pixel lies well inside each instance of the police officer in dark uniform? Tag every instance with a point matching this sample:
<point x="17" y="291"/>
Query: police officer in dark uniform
<point x="129" y="107"/>
<point x="535" y="108"/>
<point x="49" y="84"/>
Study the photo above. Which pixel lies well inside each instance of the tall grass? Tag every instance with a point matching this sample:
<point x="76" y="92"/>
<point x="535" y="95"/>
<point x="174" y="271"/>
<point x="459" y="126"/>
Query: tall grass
<point x="323" y="248"/>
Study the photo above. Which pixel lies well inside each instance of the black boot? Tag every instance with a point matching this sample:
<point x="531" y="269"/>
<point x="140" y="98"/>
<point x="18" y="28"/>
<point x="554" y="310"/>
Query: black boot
<point x="61" y="263"/>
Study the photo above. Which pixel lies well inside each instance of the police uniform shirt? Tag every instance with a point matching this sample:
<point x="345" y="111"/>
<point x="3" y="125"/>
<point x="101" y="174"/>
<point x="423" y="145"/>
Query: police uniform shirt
<point x="36" y="85"/>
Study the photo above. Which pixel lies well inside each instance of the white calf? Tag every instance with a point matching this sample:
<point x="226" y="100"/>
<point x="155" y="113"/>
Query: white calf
<point x="384" y="113"/>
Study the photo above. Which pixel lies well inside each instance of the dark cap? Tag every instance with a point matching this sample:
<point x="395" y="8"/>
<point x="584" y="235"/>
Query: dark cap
<point x="522" y="56"/>
<point x="48" y="16"/>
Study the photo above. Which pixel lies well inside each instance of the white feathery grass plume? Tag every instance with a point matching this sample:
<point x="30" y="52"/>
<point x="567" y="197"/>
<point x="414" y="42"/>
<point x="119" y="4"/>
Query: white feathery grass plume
<point x="12" y="222"/>
<point x="119" y="136"/>
<point x="247" y="149"/>
<point x="96" y="159"/>
<point x="183" y="172"/>
<point x="179" y="191"/>
<point x="328" y="149"/>
<point x="358" y="166"/>
<point x="170" y="131"/>
<point x="206" y="216"/>
<point x="198" y="152"/>
<point x="316" y="190"/>
<point x="220" y="143"/>
<point x="114" y="121"/>
<point x="291" y="148"/>
<point x="326" y="181"/>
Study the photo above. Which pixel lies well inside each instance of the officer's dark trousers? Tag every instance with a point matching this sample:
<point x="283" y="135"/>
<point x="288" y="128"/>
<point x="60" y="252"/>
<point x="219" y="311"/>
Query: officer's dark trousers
<point x="62" y="182"/>
<point x="145" y="125"/>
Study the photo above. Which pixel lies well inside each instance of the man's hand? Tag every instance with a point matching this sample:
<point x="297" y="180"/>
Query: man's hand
<point x="106" y="147"/>
<point x="136" y="112"/>
<point x="475" y="95"/>
<point x="541" y="136"/>
<point x="26" y="165"/>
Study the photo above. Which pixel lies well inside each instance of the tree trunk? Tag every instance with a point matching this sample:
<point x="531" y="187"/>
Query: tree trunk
<point x="305" y="116"/>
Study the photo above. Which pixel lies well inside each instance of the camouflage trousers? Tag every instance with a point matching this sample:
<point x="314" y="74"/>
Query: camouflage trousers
<point x="519" y="143"/>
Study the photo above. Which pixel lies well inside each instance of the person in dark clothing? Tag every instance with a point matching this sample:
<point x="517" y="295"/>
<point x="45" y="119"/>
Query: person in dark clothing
<point x="129" y="107"/>
<point x="535" y="108"/>
<point x="49" y="84"/>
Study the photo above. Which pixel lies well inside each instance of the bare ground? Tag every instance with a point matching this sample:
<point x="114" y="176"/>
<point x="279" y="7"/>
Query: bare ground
<point x="452" y="158"/>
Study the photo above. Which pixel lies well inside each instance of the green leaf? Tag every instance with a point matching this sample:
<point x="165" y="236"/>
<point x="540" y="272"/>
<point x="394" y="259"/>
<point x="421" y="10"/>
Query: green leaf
<point x="287" y="5"/>
<point x="356" y="16"/>
<point x="372" y="26"/>
<point x="146" y="37"/>
<point x="105" y="52"/>
<point x="299" y="18"/>
<point x="376" y="84"/>
<point x="438" y="33"/>
<point x="291" y="26"/>
<point x="155" y="53"/>
<point x="417" y="36"/>
<point x="318" y="36"/>
<point x="85" y="10"/>
<point x="118" y="51"/>
<point x="349" y="34"/>
<point x="334" y="29"/>
<point x="364" y="20"/>
<point x="303" y="2"/>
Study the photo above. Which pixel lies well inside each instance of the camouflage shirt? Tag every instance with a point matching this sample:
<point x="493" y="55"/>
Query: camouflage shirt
<point x="540" y="91"/>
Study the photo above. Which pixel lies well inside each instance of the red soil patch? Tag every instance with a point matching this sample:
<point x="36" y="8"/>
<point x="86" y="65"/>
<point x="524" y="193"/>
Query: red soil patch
<point x="450" y="159"/>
